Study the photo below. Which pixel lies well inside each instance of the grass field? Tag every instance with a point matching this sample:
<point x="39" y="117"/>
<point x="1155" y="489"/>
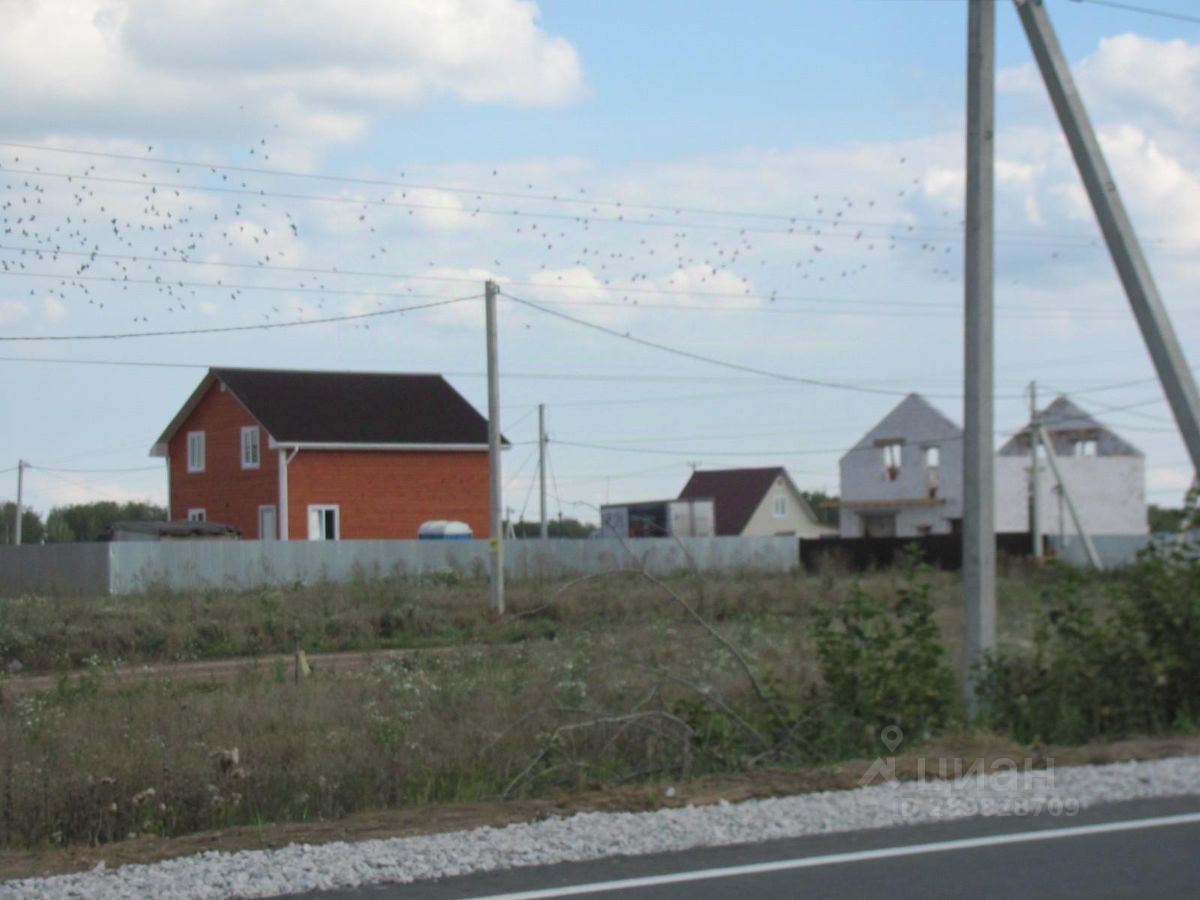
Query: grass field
<point x="585" y="685"/>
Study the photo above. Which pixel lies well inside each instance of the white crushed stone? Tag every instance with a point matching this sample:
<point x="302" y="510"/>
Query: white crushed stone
<point x="586" y="836"/>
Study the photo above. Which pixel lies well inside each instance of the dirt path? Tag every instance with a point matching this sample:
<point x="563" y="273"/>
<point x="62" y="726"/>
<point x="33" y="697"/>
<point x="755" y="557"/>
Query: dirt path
<point x="453" y="817"/>
<point x="214" y="671"/>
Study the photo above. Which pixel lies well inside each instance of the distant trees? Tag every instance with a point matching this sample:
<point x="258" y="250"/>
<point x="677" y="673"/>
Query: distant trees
<point x="1163" y="518"/>
<point x="32" y="530"/>
<point x="77" y="522"/>
<point x="556" y="528"/>
<point x="826" y="515"/>
<point x="86" y="521"/>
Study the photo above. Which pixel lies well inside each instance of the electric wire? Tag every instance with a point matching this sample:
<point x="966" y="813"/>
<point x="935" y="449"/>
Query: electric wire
<point x="225" y="329"/>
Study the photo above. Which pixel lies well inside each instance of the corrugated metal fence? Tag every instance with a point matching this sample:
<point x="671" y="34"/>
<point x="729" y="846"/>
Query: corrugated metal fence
<point x="135" y="566"/>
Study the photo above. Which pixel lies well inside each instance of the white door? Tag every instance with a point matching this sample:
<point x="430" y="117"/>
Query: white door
<point x="268" y="526"/>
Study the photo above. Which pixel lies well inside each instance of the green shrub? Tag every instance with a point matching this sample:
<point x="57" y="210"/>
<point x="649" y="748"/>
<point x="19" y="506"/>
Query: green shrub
<point x="1130" y="665"/>
<point x="883" y="664"/>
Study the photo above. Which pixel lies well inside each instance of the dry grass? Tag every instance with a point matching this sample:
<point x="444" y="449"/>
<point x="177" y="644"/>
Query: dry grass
<point x="47" y="633"/>
<point x="609" y="682"/>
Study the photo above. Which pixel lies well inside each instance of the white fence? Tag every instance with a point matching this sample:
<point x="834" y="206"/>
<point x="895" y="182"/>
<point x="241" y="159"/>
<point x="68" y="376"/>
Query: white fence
<point x="135" y="566"/>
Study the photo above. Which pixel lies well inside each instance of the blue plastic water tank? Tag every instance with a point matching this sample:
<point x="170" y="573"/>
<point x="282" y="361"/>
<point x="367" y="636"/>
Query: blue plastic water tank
<point x="444" y="530"/>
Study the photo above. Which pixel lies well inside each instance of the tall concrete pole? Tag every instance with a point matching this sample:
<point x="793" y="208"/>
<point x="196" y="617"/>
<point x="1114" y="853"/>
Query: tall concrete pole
<point x="1035" y="488"/>
<point x="496" y="538"/>
<point x="979" y="523"/>
<point x="1064" y="494"/>
<point x="21" y="464"/>
<point x="545" y="533"/>
<point x="1177" y="380"/>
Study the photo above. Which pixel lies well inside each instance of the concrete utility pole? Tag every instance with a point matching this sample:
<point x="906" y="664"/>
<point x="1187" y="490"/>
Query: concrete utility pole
<point x="1088" y="547"/>
<point x="21" y="464"/>
<point x="1173" y="372"/>
<point x="545" y="533"/>
<point x="496" y="538"/>
<point x="1035" y="514"/>
<point x="979" y="522"/>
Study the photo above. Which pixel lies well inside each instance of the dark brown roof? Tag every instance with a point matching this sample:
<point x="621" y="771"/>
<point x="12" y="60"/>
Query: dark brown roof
<point x="736" y="493"/>
<point x="348" y="407"/>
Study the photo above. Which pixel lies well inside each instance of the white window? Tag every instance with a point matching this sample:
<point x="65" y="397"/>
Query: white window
<point x="197" y="515"/>
<point x="323" y="523"/>
<point x="195" y="459"/>
<point x="250" y="447"/>
<point x="1084" y="448"/>
<point x="779" y="506"/>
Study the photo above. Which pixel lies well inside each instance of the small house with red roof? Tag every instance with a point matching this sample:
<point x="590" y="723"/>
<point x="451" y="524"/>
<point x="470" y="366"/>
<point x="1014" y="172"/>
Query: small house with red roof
<point x="762" y="501"/>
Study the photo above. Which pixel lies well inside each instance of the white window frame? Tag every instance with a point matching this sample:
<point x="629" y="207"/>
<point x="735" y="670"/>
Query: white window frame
<point x="337" y="520"/>
<point x="779" y="506"/>
<point x="253" y="432"/>
<point x="197" y="514"/>
<point x="195" y="451"/>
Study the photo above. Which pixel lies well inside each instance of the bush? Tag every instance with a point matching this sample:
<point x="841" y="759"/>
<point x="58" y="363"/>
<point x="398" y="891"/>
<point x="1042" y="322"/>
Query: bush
<point x="883" y="664"/>
<point x="1131" y="666"/>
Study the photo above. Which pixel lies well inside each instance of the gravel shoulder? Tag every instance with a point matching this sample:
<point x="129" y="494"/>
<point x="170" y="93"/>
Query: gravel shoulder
<point x="1182" y="756"/>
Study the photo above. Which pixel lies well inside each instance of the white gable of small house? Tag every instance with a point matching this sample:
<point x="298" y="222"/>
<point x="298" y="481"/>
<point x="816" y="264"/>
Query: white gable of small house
<point x="795" y="517"/>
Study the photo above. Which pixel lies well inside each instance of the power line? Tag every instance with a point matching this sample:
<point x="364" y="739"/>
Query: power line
<point x="157" y="468"/>
<point x="296" y="323"/>
<point x="55" y="252"/>
<point x="687" y="354"/>
<point x="1145" y="10"/>
<point x="160" y="282"/>
<point x="478" y="193"/>
<point x="872" y="307"/>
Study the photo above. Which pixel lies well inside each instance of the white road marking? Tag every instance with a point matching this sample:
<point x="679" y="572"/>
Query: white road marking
<point x="832" y="859"/>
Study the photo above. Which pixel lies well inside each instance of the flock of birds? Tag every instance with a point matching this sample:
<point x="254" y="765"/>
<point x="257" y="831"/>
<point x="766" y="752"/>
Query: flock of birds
<point x="126" y="228"/>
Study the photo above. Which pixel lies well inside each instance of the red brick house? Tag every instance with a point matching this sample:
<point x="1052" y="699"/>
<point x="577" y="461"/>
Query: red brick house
<point x="326" y="455"/>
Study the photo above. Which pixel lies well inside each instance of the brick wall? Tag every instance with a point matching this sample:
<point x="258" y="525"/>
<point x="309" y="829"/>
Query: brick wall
<point x="226" y="492"/>
<point x="385" y="494"/>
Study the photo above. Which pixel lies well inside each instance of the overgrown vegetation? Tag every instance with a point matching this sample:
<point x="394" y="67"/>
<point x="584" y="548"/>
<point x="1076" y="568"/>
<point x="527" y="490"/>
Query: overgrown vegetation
<point x="586" y="684"/>
<point x="1130" y="665"/>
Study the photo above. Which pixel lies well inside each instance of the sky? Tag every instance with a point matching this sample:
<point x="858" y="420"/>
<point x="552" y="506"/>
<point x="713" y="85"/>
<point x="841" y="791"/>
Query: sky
<point x="775" y="186"/>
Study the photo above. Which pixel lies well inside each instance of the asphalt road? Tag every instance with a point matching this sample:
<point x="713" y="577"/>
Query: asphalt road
<point x="1138" y="849"/>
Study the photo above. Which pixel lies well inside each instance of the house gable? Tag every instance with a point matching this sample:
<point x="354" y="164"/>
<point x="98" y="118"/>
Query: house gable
<point x="738" y="495"/>
<point x="1067" y="424"/>
<point x="364" y="410"/>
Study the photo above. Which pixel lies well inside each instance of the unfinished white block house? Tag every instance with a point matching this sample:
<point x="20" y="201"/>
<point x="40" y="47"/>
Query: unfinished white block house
<point x="1104" y="474"/>
<point x="904" y="477"/>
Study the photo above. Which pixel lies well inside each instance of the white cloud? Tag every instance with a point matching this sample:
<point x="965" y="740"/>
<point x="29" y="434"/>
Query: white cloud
<point x="12" y="311"/>
<point x="1128" y="75"/>
<point x="315" y="69"/>
<point x="1145" y="75"/>
<point x="54" y="310"/>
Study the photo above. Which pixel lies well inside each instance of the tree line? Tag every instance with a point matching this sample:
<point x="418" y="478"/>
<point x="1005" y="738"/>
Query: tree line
<point x="76" y="522"/>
